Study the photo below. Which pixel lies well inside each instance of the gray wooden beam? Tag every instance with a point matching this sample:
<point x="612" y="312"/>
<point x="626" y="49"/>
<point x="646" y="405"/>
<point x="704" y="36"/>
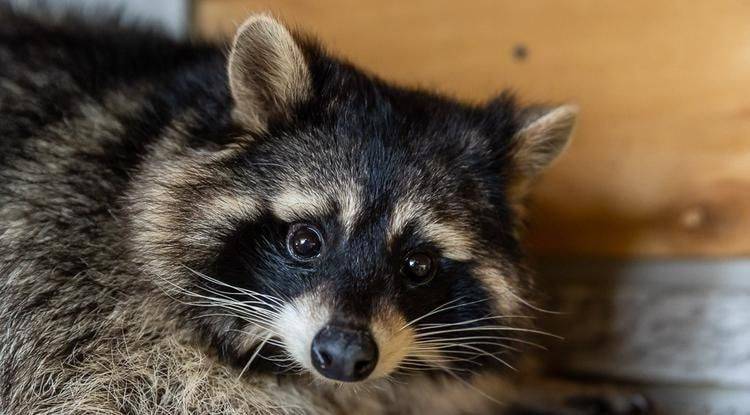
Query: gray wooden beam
<point x="171" y="15"/>
<point x="684" y="322"/>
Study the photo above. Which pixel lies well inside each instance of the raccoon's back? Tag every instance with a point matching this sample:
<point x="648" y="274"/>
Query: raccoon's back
<point x="49" y="70"/>
<point x="79" y="107"/>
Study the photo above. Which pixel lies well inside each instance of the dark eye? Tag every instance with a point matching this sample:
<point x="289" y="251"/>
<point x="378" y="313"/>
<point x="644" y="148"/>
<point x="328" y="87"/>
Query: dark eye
<point x="418" y="268"/>
<point x="304" y="241"/>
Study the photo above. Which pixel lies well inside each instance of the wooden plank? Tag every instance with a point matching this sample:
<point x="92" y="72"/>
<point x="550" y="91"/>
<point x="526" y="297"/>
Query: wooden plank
<point x="666" y="399"/>
<point x="669" y="322"/>
<point x="660" y="164"/>
<point x="172" y="16"/>
<point x="704" y="400"/>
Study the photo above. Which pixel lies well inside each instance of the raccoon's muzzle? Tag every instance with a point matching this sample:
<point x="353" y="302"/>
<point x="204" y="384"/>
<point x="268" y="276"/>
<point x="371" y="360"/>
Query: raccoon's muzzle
<point x="344" y="354"/>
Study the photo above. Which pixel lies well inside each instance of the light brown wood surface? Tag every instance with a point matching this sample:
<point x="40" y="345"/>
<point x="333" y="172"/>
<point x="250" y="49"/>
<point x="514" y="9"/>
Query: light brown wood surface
<point x="660" y="163"/>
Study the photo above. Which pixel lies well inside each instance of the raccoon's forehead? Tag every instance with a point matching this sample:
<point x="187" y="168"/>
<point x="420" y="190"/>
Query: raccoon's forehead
<point x="293" y="203"/>
<point x="358" y="178"/>
<point x="355" y="206"/>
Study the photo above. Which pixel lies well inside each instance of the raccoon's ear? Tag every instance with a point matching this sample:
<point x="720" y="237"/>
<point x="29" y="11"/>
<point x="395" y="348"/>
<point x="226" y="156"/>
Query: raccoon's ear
<point x="268" y="74"/>
<point x="543" y="136"/>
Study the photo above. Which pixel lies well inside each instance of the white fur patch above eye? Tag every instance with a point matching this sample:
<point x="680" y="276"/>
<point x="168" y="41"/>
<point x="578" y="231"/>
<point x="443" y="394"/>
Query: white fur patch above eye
<point x="293" y="204"/>
<point x="232" y="207"/>
<point x="298" y="323"/>
<point x="350" y="205"/>
<point x="456" y="243"/>
<point x="403" y="213"/>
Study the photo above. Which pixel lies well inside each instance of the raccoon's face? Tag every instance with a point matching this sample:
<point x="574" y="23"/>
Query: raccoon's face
<point x="355" y="230"/>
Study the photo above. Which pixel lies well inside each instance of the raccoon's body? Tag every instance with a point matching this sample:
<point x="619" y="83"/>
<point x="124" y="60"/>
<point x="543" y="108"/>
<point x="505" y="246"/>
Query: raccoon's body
<point x="170" y="212"/>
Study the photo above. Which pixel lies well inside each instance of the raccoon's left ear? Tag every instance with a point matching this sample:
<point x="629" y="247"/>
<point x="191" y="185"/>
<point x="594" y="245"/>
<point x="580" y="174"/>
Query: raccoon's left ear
<point x="268" y="74"/>
<point x="544" y="134"/>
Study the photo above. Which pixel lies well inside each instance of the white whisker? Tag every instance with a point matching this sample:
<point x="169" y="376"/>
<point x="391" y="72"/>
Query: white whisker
<point x="446" y="345"/>
<point x="255" y="354"/>
<point x="486" y="328"/>
<point x="277" y="300"/>
<point x="441" y="309"/>
<point x="528" y="304"/>
<point x="460" y="323"/>
<point x="503" y="338"/>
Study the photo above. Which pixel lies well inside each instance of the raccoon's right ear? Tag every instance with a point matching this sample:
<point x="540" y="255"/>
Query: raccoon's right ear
<point x="543" y="134"/>
<point x="268" y="74"/>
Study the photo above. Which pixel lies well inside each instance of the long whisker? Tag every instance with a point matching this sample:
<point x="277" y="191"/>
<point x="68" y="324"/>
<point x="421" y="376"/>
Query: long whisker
<point x="530" y="305"/>
<point x="271" y="340"/>
<point x="261" y="310"/>
<point x="238" y="307"/>
<point x="513" y="339"/>
<point x="275" y="299"/>
<point x="255" y="354"/>
<point x="470" y="386"/>
<point x="245" y="311"/>
<point x="486" y="353"/>
<point x="461" y="323"/>
<point x="447" y="345"/>
<point x="264" y="321"/>
<point x="441" y="309"/>
<point x="431" y="312"/>
<point x="213" y="300"/>
<point x="444" y="357"/>
<point x="486" y="328"/>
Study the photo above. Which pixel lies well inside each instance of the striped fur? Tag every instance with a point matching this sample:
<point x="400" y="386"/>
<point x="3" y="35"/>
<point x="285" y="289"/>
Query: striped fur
<point x="146" y="191"/>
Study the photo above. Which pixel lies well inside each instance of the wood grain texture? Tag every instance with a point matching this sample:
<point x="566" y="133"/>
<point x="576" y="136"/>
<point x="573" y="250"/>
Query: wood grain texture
<point x="652" y="322"/>
<point x="660" y="163"/>
<point x="666" y="399"/>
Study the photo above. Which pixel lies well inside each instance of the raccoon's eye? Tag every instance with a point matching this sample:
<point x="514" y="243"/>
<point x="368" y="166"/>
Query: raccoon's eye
<point x="418" y="268"/>
<point x="304" y="241"/>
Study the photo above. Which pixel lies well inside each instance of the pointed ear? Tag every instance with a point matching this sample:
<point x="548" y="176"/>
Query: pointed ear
<point x="543" y="136"/>
<point x="268" y="75"/>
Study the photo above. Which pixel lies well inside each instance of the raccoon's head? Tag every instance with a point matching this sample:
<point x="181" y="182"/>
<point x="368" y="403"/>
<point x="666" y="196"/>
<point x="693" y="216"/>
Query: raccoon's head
<point x="353" y="229"/>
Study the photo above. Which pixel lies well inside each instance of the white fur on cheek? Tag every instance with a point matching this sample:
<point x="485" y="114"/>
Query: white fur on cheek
<point x="298" y="323"/>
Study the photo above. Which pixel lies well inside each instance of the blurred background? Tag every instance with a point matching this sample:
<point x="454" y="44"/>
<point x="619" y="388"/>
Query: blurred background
<point x="641" y="232"/>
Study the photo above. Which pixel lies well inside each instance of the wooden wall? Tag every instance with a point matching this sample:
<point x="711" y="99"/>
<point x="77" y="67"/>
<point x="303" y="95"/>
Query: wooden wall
<point x="660" y="165"/>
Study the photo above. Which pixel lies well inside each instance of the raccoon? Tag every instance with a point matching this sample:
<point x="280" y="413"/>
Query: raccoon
<point x="259" y="228"/>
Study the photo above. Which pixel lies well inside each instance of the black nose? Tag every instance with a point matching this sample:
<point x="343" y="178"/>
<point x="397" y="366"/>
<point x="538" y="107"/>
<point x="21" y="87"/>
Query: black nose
<point x="344" y="354"/>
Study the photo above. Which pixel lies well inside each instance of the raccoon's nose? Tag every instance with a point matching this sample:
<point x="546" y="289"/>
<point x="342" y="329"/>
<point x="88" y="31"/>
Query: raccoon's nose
<point x="344" y="354"/>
